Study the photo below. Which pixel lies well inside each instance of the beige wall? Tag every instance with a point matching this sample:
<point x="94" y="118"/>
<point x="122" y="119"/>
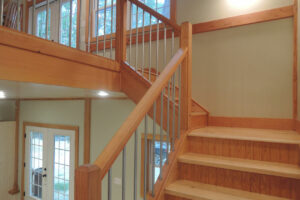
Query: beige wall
<point x="244" y="71"/>
<point x="7" y="133"/>
<point x="207" y="10"/>
<point x="7" y="110"/>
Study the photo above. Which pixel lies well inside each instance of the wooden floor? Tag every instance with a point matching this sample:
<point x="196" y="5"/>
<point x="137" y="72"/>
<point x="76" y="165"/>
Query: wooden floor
<point x="236" y="163"/>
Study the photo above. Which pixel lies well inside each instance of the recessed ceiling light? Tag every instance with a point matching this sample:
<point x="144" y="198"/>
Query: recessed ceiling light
<point x="2" y="95"/>
<point x="241" y="4"/>
<point x="102" y="93"/>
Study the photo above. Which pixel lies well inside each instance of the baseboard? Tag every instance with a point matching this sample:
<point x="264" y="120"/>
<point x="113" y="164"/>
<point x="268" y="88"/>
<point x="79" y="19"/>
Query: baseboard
<point x="261" y="123"/>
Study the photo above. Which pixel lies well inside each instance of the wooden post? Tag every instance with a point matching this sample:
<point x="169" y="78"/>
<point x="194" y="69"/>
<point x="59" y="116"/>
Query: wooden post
<point x="121" y="29"/>
<point x="88" y="183"/>
<point x="295" y="64"/>
<point x="87" y="130"/>
<point x="186" y="75"/>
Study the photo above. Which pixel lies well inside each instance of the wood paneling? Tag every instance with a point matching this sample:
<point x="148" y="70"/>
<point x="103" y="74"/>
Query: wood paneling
<point x="87" y="130"/>
<point x="262" y="123"/>
<point x="263" y="184"/>
<point x="263" y="16"/>
<point x="27" y="66"/>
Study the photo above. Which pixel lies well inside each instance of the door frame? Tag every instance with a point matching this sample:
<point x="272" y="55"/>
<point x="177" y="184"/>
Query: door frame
<point x="44" y="125"/>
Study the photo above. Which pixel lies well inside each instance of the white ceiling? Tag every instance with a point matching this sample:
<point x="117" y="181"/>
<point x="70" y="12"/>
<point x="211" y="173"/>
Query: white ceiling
<point x="31" y="90"/>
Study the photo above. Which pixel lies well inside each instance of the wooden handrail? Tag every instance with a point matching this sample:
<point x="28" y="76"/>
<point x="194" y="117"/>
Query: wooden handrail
<point x="110" y="153"/>
<point x="157" y="15"/>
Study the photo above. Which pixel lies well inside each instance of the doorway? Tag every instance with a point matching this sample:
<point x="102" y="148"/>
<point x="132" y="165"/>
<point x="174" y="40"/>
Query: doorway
<point x="50" y="162"/>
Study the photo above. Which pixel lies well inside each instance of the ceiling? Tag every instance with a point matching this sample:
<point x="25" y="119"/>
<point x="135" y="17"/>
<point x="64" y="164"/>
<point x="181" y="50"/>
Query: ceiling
<point x="23" y="90"/>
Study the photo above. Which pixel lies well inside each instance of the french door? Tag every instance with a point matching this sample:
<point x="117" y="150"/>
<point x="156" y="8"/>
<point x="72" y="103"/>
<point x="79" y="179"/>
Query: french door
<point x="50" y="164"/>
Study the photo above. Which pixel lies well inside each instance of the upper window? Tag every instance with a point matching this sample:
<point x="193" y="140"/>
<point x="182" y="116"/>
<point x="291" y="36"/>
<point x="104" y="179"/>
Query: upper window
<point x="41" y="24"/>
<point x="109" y="14"/>
<point x="65" y="23"/>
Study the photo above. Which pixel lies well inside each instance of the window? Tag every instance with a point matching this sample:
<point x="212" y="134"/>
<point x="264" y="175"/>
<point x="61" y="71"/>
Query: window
<point x="65" y="23"/>
<point x="161" y="6"/>
<point x="41" y="24"/>
<point x="150" y="152"/>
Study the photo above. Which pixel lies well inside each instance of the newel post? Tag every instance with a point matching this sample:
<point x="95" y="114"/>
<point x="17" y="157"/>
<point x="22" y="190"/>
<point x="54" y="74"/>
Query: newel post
<point x="121" y="29"/>
<point x="186" y="75"/>
<point x="87" y="183"/>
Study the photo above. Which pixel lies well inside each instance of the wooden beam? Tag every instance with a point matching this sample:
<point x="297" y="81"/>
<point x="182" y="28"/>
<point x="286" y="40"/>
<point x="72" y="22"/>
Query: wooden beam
<point x="186" y="76"/>
<point x="295" y="63"/>
<point x="15" y="188"/>
<point x="258" y="17"/>
<point x="87" y="130"/>
<point x="27" y="66"/>
<point x="12" y="38"/>
<point x="87" y="183"/>
<point x="121" y="29"/>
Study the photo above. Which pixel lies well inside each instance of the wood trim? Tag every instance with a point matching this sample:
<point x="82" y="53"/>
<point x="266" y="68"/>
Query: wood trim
<point x="15" y="189"/>
<point x="252" y="18"/>
<point x="116" y="145"/>
<point x="53" y="126"/>
<point x="259" y="123"/>
<point x="87" y="130"/>
<point x="295" y="61"/>
<point x="297" y="125"/>
<point x="173" y="10"/>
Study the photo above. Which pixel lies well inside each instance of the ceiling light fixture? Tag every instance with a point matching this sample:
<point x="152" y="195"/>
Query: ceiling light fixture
<point x="102" y="94"/>
<point x="241" y="4"/>
<point x="2" y="95"/>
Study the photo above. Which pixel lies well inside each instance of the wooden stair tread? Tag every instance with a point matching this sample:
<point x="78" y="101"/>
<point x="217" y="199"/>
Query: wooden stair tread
<point x="260" y="135"/>
<point x="198" y="113"/>
<point x="253" y="166"/>
<point x="199" y="191"/>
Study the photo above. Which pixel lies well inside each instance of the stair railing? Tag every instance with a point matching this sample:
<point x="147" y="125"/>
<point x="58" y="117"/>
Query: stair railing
<point x="157" y="112"/>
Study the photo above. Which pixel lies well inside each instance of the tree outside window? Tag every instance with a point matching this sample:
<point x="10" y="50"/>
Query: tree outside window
<point x="41" y="24"/>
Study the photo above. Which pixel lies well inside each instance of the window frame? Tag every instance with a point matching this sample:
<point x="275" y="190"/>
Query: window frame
<point x="149" y="142"/>
<point x="108" y="36"/>
<point x="29" y="6"/>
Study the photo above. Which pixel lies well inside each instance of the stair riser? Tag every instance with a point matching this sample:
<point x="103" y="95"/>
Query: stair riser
<point x="263" y="184"/>
<point x="171" y="197"/>
<point x="282" y="153"/>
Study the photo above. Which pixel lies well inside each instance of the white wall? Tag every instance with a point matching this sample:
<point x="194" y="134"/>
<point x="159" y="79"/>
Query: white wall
<point x="7" y="147"/>
<point x="7" y="110"/>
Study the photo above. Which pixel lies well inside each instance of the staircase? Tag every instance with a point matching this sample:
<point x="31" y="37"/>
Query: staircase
<point x="237" y="164"/>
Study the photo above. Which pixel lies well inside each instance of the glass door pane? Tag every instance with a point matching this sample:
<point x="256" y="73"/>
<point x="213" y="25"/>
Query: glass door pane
<point x="62" y="167"/>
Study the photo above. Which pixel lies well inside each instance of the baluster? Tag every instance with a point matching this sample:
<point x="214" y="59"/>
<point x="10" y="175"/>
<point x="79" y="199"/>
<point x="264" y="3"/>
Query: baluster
<point x="111" y="26"/>
<point x="145" y="157"/>
<point x="97" y="27"/>
<point x="89" y="26"/>
<point x="59" y="21"/>
<point x="18" y="16"/>
<point x="165" y="45"/>
<point x="161" y="131"/>
<point x="1" y="12"/>
<point x="123" y="173"/>
<point x="130" y="33"/>
<point x="143" y="44"/>
<point x="47" y="20"/>
<point x="153" y="146"/>
<point x="168" y="122"/>
<point x="137" y="38"/>
<point x="70" y="25"/>
<point x="104" y="36"/>
<point x="150" y="48"/>
<point x="135" y="165"/>
<point x="109" y="184"/>
<point x="179" y="101"/>
<point x="157" y="47"/>
<point x="33" y="18"/>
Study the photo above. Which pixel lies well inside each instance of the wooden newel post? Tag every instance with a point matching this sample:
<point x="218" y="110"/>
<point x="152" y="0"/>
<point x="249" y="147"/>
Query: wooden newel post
<point x="186" y="75"/>
<point x="88" y="183"/>
<point x="121" y="29"/>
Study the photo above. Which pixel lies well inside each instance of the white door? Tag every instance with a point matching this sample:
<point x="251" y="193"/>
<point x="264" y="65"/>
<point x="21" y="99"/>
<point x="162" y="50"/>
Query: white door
<point x="49" y="166"/>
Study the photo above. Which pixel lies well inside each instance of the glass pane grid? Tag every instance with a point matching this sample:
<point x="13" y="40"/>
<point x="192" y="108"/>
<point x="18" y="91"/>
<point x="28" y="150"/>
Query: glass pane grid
<point x="36" y="164"/>
<point x="61" y="167"/>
